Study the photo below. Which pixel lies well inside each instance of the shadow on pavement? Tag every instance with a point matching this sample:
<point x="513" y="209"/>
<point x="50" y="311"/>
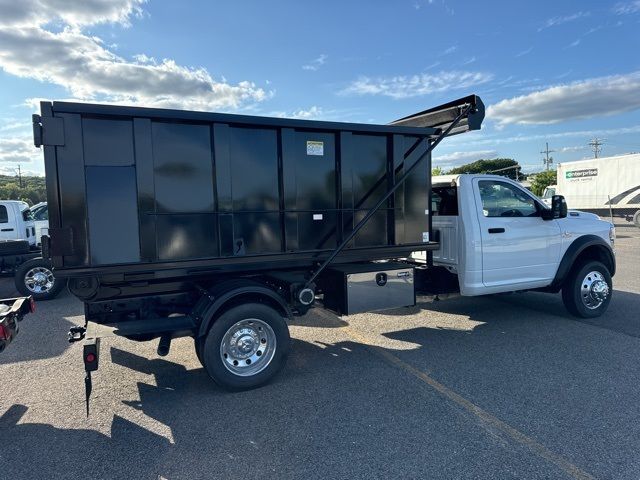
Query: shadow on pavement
<point x="338" y="411"/>
<point x="335" y="412"/>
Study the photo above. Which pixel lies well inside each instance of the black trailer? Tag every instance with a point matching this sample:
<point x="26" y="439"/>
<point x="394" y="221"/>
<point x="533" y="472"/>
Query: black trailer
<point x="220" y="227"/>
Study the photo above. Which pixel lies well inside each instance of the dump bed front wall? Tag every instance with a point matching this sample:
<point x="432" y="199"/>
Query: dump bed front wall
<point x="142" y="189"/>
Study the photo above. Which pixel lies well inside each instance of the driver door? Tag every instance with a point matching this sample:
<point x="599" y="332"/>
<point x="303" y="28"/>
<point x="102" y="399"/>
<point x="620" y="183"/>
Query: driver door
<point x="518" y="246"/>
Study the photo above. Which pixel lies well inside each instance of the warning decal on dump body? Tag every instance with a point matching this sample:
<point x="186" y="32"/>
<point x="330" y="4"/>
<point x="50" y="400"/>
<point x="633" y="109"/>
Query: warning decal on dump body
<point x="315" y="148"/>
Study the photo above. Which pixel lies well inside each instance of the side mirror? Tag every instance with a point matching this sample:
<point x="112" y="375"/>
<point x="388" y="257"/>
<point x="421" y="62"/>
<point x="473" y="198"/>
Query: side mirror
<point x="558" y="206"/>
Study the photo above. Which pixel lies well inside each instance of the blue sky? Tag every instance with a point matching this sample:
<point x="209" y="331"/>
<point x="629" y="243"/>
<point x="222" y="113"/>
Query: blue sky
<point x="561" y="72"/>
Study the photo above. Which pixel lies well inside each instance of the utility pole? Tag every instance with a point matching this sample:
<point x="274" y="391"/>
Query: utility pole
<point x="547" y="160"/>
<point x="595" y="145"/>
<point x="19" y="175"/>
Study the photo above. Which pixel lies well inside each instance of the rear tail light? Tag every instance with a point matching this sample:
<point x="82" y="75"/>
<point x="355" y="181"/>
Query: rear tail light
<point x="32" y="305"/>
<point x="4" y="334"/>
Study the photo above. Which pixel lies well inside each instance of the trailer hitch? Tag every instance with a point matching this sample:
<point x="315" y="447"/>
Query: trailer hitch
<point x="76" y="334"/>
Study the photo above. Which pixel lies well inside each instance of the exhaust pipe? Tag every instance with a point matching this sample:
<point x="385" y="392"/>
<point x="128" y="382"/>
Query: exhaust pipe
<point x="164" y="345"/>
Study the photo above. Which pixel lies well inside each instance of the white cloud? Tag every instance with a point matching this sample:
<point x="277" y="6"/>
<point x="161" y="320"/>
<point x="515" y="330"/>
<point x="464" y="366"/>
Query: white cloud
<point x="18" y="150"/>
<point x="574" y="148"/>
<point x="15" y="125"/>
<point x="416" y="85"/>
<point x="90" y="71"/>
<point x="480" y="138"/>
<point x="578" y="100"/>
<point x="316" y="63"/>
<point x="626" y="8"/>
<point x="524" y="52"/>
<point x="555" y="21"/>
<point x="449" y="50"/>
<point x="460" y="158"/>
<point x="31" y="13"/>
<point x="575" y="43"/>
<point x="312" y="113"/>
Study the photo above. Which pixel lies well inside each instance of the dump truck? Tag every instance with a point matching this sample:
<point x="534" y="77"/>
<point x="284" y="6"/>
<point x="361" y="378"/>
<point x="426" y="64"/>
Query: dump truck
<point x="220" y="227"/>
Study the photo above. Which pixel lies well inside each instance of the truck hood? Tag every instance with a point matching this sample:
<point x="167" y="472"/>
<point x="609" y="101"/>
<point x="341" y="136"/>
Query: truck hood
<point x="580" y="215"/>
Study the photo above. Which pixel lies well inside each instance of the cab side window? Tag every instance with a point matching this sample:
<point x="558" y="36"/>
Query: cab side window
<point x="501" y="199"/>
<point x="41" y="214"/>
<point x="4" y="216"/>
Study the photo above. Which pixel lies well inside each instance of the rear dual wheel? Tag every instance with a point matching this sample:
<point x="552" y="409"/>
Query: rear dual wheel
<point x="246" y="346"/>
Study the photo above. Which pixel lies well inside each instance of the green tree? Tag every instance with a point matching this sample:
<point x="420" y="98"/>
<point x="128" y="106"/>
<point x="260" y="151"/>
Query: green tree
<point x="542" y="180"/>
<point x="33" y="189"/>
<point x="490" y="166"/>
<point x="435" y="171"/>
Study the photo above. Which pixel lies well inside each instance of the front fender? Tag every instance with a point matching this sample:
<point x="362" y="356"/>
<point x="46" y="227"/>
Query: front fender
<point x="585" y="246"/>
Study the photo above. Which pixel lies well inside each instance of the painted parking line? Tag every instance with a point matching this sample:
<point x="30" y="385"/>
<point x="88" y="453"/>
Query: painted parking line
<point x="489" y="422"/>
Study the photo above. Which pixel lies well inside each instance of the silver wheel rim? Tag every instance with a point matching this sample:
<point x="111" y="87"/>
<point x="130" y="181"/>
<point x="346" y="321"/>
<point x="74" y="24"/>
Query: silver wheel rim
<point x="248" y="347"/>
<point x="594" y="290"/>
<point x="39" y="280"/>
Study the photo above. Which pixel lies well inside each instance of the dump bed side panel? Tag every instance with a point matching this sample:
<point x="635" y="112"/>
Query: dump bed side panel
<point x="132" y="189"/>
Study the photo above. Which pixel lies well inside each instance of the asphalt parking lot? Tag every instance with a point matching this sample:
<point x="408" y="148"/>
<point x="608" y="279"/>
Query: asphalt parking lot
<point x="505" y="386"/>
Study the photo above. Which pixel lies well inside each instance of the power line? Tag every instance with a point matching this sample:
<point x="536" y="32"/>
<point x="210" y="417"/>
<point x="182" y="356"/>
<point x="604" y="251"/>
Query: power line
<point x="547" y="161"/>
<point x="595" y="145"/>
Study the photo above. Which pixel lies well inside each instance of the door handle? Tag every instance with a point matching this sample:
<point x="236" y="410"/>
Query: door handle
<point x="496" y="230"/>
<point x="7" y="230"/>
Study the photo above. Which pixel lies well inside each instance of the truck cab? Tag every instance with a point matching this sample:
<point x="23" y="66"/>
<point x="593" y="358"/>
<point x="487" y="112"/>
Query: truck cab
<point x="496" y="236"/>
<point x="16" y="222"/>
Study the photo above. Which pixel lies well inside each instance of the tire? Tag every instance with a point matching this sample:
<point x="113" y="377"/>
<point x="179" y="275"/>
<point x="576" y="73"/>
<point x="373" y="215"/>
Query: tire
<point x="28" y="285"/>
<point x="636" y="219"/>
<point x="583" y="292"/>
<point x="257" y="328"/>
<point x="198" y="344"/>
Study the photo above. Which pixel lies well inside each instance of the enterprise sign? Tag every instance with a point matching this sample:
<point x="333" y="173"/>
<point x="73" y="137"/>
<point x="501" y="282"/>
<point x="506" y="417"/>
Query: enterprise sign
<point x="587" y="172"/>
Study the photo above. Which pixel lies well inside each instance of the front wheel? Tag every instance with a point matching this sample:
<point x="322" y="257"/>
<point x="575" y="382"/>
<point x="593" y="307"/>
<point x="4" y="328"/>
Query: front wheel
<point x="587" y="291"/>
<point x="246" y="346"/>
<point x="35" y="277"/>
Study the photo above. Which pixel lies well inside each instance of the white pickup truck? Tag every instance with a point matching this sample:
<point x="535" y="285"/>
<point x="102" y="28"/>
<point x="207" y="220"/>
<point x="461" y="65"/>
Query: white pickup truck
<point x="20" y="255"/>
<point x="16" y="221"/>
<point x="496" y="236"/>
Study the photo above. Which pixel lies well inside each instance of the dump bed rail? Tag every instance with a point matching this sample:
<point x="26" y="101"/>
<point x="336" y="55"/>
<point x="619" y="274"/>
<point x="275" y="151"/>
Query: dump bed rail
<point x="442" y="117"/>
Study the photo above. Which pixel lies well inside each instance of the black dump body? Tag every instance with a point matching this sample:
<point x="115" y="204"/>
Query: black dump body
<point x="148" y="195"/>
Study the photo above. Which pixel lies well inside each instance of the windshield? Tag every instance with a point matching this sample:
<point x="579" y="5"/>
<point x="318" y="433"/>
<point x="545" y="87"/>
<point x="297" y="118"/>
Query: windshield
<point x="549" y="192"/>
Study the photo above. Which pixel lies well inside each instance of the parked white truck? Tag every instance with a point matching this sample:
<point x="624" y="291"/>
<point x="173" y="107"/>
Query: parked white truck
<point x="604" y="186"/>
<point x="19" y="252"/>
<point x="496" y="236"/>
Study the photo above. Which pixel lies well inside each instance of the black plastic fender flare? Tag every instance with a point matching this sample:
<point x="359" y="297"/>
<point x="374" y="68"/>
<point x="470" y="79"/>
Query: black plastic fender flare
<point x="213" y="300"/>
<point x="578" y="246"/>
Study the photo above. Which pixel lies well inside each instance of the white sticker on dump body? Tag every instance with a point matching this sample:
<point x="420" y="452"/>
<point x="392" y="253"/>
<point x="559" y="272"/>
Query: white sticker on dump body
<point x="315" y="148"/>
<point x="425" y="237"/>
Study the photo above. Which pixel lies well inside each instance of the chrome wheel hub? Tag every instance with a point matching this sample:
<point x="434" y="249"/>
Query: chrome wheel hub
<point x="248" y="347"/>
<point x="594" y="290"/>
<point x="39" y="280"/>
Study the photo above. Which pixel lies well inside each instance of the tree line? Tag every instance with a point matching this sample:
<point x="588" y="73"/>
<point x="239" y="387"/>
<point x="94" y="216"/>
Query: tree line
<point x="33" y="189"/>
